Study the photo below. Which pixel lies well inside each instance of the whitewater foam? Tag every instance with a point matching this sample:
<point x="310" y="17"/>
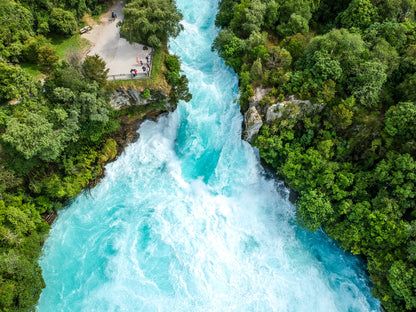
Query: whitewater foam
<point x="185" y="219"/>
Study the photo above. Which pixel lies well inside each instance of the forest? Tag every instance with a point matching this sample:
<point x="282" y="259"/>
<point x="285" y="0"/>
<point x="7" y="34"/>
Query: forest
<point x="351" y="158"/>
<point x="57" y="132"/>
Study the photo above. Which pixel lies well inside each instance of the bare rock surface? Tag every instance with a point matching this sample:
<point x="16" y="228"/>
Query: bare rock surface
<point x="253" y="123"/>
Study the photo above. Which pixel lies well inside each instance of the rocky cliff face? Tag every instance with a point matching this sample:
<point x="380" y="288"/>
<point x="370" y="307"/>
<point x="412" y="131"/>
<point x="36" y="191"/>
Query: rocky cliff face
<point x="123" y="98"/>
<point x="252" y="122"/>
<point x="150" y="108"/>
<point x="262" y="111"/>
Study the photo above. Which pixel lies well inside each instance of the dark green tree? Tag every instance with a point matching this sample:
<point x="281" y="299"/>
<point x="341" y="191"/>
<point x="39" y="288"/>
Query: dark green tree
<point x="63" y="22"/>
<point x="151" y="21"/>
<point x="94" y="68"/>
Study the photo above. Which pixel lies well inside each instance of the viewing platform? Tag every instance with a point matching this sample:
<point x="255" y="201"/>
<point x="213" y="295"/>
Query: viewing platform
<point x="119" y="55"/>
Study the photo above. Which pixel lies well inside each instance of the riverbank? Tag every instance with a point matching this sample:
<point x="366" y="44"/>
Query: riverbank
<point x="305" y="84"/>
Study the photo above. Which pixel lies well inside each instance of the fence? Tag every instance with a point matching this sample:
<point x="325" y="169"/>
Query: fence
<point x="140" y="74"/>
<point x="126" y="76"/>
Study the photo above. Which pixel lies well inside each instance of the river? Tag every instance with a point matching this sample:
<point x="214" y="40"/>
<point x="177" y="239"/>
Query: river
<point x="186" y="220"/>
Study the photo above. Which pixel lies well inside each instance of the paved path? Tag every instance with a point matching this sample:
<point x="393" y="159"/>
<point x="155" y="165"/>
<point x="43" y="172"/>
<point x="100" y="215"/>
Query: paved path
<point x="119" y="55"/>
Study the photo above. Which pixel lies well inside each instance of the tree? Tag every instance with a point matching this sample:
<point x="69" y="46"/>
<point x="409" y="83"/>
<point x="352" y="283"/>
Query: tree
<point x="16" y="23"/>
<point x="179" y="83"/>
<point x="360" y="13"/>
<point x="47" y="58"/>
<point x="296" y="24"/>
<point x="340" y="45"/>
<point x="323" y="67"/>
<point x="33" y="136"/>
<point x="314" y="209"/>
<point x="400" y="121"/>
<point x="248" y="18"/>
<point x="151" y="21"/>
<point x="341" y="117"/>
<point x="63" y="22"/>
<point x="94" y="69"/>
<point x="387" y="55"/>
<point x="367" y="84"/>
<point x="225" y="13"/>
<point x="256" y="71"/>
<point x="229" y="47"/>
<point x="15" y="83"/>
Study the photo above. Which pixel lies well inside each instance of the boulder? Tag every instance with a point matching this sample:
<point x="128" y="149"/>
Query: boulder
<point x="252" y="122"/>
<point x="273" y="112"/>
<point x="123" y="98"/>
<point x="259" y="93"/>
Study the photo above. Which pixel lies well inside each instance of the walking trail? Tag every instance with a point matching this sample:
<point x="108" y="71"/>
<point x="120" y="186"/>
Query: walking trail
<point x="119" y="55"/>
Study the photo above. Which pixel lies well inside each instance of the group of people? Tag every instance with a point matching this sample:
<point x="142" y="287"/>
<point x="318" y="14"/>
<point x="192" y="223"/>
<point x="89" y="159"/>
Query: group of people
<point x="145" y="67"/>
<point x="133" y="72"/>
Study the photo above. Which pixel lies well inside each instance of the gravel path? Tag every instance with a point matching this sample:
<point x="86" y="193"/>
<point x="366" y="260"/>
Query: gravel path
<point x="119" y="55"/>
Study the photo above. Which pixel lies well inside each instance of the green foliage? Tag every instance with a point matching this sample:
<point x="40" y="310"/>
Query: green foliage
<point x="21" y="228"/>
<point x="145" y="94"/>
<point x="225" y="13"/>
<point x="33" y="135"/>
<point x="360" y="13"/>
<point x="296" y="24"/>
<point x="94" y="69"/>
<point x="63" y="22"/>
<point x="151" y="22"/>
<point x="15" y="84"/>
<point x="16" y="23"/>
<point x="367" y="84"/>
<point x="179" y="83"/>
<point x="350" y="155"/>
<point x="47" y="58"/>
<point x="230" y="47"/>
<point x="31" y="48"/>
<point x="247" y="18"/>
<point x="256" y="70"/>
<point x="313" y="209"/>
<point x="400" y="121"/>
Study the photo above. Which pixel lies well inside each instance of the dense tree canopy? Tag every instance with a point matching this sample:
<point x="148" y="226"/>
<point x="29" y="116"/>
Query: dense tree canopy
<point x="350" y="155"/>
<point x="151" y="22"/>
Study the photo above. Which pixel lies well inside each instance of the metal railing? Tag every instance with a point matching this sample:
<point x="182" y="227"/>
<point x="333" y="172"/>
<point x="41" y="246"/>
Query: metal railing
<point x="139" y="75"/>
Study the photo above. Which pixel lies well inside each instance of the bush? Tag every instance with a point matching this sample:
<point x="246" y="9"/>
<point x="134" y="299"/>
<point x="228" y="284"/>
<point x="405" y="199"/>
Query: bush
<point x="63" y="22"/>
<point x="145" y="94"/>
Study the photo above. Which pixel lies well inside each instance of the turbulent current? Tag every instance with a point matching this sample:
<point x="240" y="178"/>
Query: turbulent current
<point x="185" y="219"/>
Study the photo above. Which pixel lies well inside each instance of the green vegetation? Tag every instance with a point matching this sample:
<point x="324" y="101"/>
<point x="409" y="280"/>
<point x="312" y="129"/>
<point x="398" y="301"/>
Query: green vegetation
<point x="55" y="136"/>
<point x="351" y="154"/>
<point x="64" y="46"/>
<point x="151" y="21"/>
<point x="54" y="142"/>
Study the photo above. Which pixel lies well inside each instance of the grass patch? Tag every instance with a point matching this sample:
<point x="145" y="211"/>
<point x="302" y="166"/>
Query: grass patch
<point x="64" y="45"/>
<point x="33" y="70"/>
<point x="156" y="81"/>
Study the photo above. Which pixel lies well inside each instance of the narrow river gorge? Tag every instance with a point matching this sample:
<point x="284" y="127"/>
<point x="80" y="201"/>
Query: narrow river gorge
<point x="186" y="220"/>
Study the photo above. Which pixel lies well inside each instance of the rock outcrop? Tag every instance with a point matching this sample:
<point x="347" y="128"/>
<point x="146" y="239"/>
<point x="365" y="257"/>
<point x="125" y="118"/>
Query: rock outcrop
<point x="262" y="111"/>
<point x="150" y="108"/>
<point x="123" y="98"/>
<point x="253" y="123"/>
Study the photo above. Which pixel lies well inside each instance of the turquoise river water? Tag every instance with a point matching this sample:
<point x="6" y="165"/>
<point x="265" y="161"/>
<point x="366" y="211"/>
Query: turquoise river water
<point x="185" y="219"/>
